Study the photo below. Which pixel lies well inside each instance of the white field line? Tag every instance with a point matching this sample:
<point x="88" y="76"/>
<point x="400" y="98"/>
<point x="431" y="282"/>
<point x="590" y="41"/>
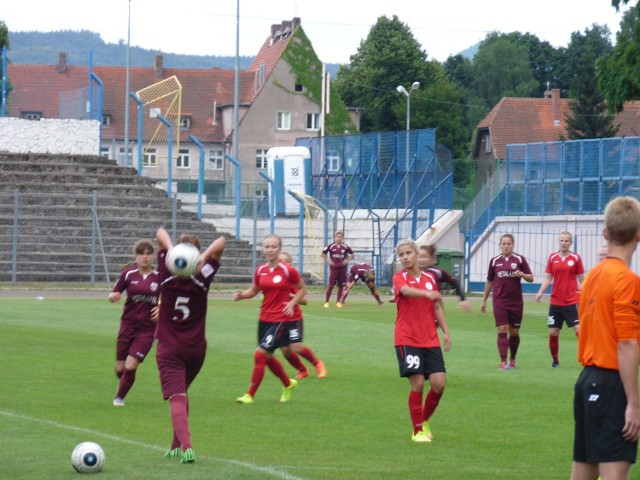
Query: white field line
<point x="248" y="465"/>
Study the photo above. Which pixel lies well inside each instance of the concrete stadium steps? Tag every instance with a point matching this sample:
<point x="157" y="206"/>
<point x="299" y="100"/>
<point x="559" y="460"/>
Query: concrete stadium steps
<point x="55" y="219"/>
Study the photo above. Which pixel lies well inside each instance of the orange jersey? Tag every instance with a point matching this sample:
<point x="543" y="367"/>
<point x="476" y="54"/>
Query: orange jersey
<point x="609" y="313"/>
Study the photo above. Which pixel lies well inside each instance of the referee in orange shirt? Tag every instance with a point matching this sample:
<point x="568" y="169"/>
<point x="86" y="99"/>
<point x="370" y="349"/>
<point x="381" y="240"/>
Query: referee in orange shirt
<point x="606" y="398"/>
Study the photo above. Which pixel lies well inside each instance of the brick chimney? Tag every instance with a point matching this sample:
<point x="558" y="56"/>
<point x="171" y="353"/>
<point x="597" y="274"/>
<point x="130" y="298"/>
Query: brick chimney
<point x="157" y="66"/>
<point x="62" y="62"/>
<point x="555" y="106"/>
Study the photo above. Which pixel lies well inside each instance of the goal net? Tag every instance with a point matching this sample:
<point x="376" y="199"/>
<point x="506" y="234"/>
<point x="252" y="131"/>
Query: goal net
<point x="162" y="98"/>
<point x="314" y="236"/>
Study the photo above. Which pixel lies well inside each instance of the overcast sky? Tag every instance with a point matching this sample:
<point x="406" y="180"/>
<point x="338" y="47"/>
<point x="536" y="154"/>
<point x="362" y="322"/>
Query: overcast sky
<point x="335" y="27"/>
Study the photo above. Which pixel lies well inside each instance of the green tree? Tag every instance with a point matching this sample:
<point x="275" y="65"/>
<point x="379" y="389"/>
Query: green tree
<point x="587" y="117"/>
<point x="502" y="69"/>
<point x="4" y="35"/>
<point x="619" y="71"/>
<point x="388" y="57"/>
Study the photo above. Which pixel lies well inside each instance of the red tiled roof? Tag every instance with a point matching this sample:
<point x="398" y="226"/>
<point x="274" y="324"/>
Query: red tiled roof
<point x="38" y="87"/>
<point x="532" y="120"/>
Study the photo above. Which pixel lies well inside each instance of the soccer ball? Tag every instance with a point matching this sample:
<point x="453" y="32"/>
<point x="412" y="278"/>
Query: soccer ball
<point x="87" y="457"/>
<point x="183" y="259"/>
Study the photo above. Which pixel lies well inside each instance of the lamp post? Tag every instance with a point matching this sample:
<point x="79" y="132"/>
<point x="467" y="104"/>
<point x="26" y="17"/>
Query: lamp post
<point x="402" y="90"/>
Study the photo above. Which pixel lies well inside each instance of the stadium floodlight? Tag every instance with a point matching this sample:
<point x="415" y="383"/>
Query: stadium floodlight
<point x="402" y="90"/>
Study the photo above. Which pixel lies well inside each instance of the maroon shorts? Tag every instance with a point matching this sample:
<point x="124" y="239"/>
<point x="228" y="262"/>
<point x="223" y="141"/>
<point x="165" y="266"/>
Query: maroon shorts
<point x="134" y="343"/>
<point x="511" y="316"/>
<point x="178" y="367"/>
<point x="338" y="275"/>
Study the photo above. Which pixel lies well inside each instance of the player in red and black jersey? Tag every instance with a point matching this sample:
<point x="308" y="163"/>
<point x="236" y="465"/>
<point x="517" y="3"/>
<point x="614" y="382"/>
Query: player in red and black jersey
<point x="337" y="255"/>
<point x="565" y="269"/>
<point x="280" y="324"/>
<point x="137" y="326"/>
<point x="416" y="338"/>
<point x="504" y="279"/>
<point x="182" y="344"/>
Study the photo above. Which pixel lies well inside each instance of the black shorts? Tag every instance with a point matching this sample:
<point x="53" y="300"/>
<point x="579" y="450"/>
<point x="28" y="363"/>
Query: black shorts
<point x="274" y="335"/>
<point x="423" y="361"/>
<point x="558" y="315"/>
<point x="599" y="405"/>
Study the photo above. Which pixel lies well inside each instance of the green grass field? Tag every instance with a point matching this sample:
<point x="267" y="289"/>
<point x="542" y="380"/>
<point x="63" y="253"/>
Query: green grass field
<point x="58" y="384"/>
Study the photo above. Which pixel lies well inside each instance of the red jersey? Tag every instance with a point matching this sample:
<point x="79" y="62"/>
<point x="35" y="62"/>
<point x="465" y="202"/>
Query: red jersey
<point x="142" y="296"/>
<point x="416" y="323"/>
<point x="183" y="307"/>
<point x="358" y="270"/>
<point x="276" y="284"/>
<point x="565" y="273"/>
<point x="507" y="288"/>
<point x="338" y="253"/>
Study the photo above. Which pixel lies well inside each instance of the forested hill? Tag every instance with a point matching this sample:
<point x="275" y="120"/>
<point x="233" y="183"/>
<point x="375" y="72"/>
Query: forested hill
<point x="42" y="48"/>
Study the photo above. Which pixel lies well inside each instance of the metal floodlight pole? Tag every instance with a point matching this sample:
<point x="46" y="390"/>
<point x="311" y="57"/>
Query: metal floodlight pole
<point x="126" y="93"/>
<point x="400" y="89"/>
<point x="200" y="174"/>
<point x="140" y="129"/>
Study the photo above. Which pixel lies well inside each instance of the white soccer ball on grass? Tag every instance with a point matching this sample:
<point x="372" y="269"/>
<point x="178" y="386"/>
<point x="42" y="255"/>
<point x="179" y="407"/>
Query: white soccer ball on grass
<point x="87" y="457"/>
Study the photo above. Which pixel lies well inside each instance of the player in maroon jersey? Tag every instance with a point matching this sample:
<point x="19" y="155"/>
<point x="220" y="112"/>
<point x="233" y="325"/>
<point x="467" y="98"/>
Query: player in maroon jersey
<point x="278" y="326"/>
<point x="337" y="255"/>
<point x="367" y="274"/>
<point x="291" y="352"/>
<point x="135" y="337"/>
<point x="565" y="269"/>
<point x="416" y="338"/>
<point x="182" y="344"/>
<point x="504" y="278"/>
<point x="427" y="260"/>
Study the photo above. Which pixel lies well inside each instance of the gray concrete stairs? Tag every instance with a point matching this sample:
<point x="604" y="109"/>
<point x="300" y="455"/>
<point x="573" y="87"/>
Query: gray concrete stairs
<point x="55" y="235"/>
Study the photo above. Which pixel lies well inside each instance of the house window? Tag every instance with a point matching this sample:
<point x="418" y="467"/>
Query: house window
<point x="149" y="158"/>
<point x="284" y="121"/>
<point x="487" y="147"/>
<point x="261" y="158"/>
<point x="185" y="123"/>
<point x="261" y="193"/>
<point x="121" y="156"/>
<point x="104" y="152"/>
<point x="333" y="162"/>
<point x="298" y="88"/>
<point x="106" y="120"/>
<point x="313" y="121"/>
<point x="216" y="160"/>
<point x="183" y="158"/>
<point x="32" y="115"/>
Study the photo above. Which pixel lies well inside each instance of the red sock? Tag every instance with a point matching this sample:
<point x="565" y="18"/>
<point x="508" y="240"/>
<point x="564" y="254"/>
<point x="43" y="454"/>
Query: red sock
<point x="415" y="410"/>
<point x="503" y="346"/>
<point x="554" y="346"/>
<point x="340" y="288"/>
<point x="295" y="362"/>
<point x="278" y="370"/>
<point x="431" y="403"/>
<point x="180" y="420"/>
<point x="126" y="382"/>
<point x="309" y="355"/>
<point x="259" y="363"/>
<point x="514" y="342"/>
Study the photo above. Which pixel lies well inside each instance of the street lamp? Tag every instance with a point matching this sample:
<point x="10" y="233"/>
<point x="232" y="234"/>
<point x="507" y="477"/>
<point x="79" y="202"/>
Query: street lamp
<point x="401" y="89"/>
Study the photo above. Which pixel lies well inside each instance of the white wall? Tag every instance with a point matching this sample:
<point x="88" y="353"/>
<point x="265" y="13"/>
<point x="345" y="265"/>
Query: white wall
<point x="49" y="135"/>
